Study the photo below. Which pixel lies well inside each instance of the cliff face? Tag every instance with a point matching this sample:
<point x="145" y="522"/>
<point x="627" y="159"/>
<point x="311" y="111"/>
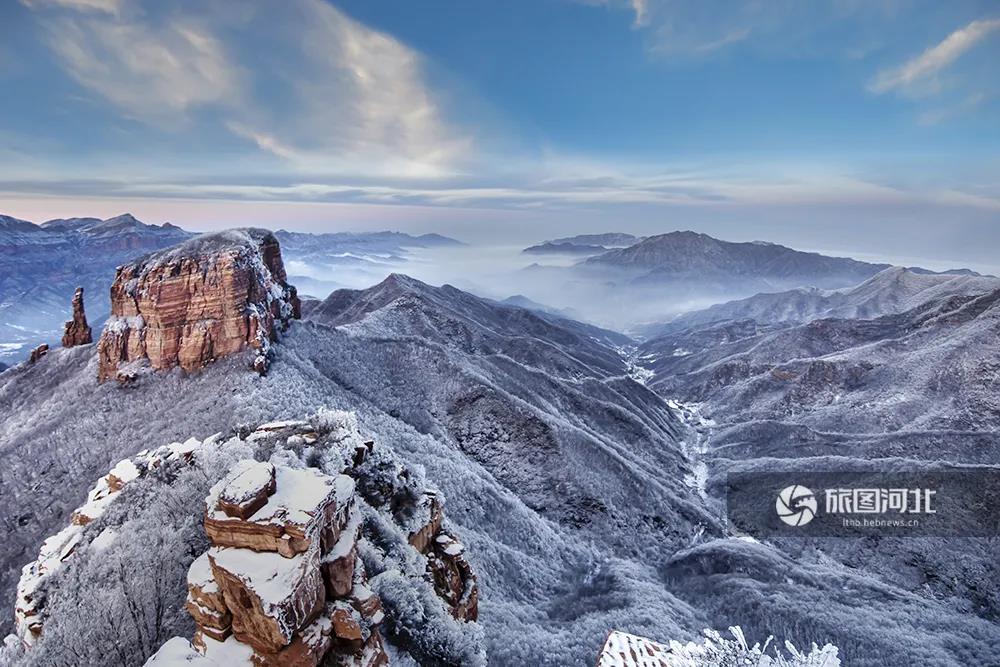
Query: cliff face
<point x="210" y="297"/>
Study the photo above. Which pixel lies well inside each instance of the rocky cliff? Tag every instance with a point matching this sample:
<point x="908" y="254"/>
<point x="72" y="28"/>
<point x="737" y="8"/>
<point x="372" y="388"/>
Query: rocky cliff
<point x="318" y="546"/>
<point x="77" y="331"/>
<point x="210" y="297"/>
<point x="282" y="582"/>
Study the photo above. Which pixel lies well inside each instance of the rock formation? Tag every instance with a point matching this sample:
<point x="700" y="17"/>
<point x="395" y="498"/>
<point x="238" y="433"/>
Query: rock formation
<point x="38" y="353"/>
<point x="210" y="297"/>
<point x="453" y="579"/>
<point x="282" y="583"/>
<point x="77" y="331"/>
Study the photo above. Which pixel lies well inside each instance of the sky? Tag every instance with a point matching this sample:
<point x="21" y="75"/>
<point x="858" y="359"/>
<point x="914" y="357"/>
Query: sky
<point x="861" y="127"/>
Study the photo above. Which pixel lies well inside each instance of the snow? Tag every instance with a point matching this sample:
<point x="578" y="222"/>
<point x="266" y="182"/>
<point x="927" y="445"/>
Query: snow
<point x="178" y="652"/>
<point x="299" y="495"/>
<point x="700" y="430"/>
<point x="624" y="650"/>
<point x="245" y="481"/>
<point x="104" y="540"/>
<point x="118" y="324"/>
<point x="200" y="575"/>
<point x="269" y="575"/>
<point x="348" y="537"/>
<point x="125" y="470"/>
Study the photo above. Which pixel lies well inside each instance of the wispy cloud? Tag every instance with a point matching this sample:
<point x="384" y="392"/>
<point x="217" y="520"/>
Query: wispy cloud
<point x="150" y="72"/>
<point x="918" y="75"/>
<point x="105" y="6"/>
<point x="556" y="186"/>
<point x="342" y="96"/>
<point x="709" y="27"/>
<point x="641" y="9"/>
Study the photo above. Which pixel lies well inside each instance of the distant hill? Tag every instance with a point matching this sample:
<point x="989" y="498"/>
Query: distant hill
<point x="893" y="290"/>
<point x="690" y="255"/>
<point x="550" y="248"/>
<point x="583" y="244"/>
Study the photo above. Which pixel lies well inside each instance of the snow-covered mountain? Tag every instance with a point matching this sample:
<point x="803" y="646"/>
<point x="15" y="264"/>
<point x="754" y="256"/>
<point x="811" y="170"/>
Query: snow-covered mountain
<point x="42" y="265"/>
<point x="927" y="368"/>
<point x="890" y="291"/>
<point x="574" y="487"/>
<point x="679" y="256"/>
<point x="915" y="389"/>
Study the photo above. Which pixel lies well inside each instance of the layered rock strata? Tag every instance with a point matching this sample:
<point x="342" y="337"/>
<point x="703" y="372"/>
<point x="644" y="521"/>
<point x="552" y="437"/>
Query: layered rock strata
<point x="210" y="297"/>
<point x="282" y="584"/>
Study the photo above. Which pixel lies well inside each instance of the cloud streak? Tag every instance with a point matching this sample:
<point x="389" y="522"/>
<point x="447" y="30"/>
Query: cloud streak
<point x="917" y="76"/>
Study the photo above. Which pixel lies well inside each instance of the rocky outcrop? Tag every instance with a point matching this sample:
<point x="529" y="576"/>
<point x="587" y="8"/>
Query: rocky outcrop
<point x="454" y="581"/>
<point x="282" y="583"/>
<point x="38" y="353"/>
<point x="77" y="331"/>
<point x="210" y="297"/>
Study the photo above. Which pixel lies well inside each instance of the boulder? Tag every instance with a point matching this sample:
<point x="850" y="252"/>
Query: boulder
<point x="307" y="649"/>
<point x="247" y="488"/>
<point x="430" y="507"/>
<point x="205" y="601"/>
<point x="77" y="331"/>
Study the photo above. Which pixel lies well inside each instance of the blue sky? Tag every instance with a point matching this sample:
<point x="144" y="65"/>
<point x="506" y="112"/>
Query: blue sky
<point x="844" y="126"/>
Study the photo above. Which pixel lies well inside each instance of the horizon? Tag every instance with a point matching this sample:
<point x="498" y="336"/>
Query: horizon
<point x="934" y="264"/>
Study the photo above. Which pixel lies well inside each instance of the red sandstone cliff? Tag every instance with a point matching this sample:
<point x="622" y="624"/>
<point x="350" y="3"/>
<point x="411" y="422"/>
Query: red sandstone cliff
<point x="210" y="297"/>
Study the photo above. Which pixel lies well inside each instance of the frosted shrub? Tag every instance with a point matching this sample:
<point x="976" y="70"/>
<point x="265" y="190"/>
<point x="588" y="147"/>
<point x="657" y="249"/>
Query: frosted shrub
<point x="717" y="651"/>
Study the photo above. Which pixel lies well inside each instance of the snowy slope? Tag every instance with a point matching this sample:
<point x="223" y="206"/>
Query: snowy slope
<point x="565" y="479"/>
<point x="893" y="290"/>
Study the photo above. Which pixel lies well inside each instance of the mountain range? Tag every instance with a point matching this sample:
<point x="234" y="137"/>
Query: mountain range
<point x="693" y="256"/>
<point x="578" y="471"/>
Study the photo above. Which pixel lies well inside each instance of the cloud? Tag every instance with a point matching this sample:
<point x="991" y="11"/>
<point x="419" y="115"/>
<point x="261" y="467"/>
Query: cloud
<point x="701" y="29"/>
<point x="105" y="6"/>
<point x="151" y="72"/>
<point x="556" y="186"/>
<point x="301" y="81"/>
<point x="916" y="76"/>
<point x="641" y="9"/>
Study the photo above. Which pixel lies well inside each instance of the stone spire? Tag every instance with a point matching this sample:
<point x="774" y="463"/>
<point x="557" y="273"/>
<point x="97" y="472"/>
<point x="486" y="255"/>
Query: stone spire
<point x="77" y="330"/>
